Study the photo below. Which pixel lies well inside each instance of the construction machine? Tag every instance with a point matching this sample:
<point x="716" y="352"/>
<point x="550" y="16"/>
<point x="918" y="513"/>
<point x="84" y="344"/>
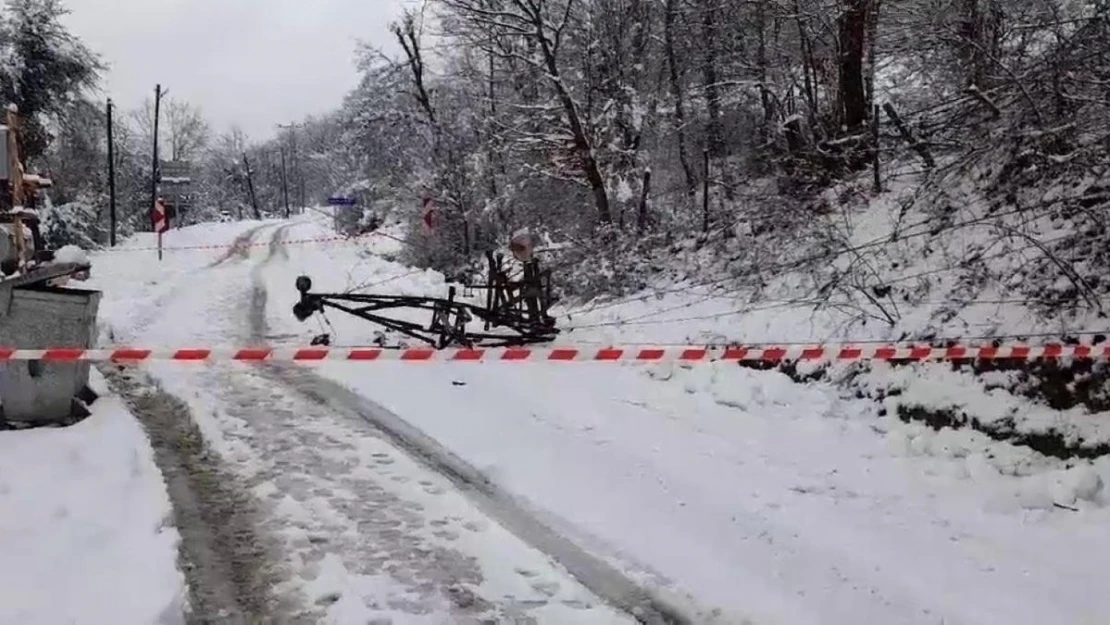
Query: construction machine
<point x="37" y="311"/>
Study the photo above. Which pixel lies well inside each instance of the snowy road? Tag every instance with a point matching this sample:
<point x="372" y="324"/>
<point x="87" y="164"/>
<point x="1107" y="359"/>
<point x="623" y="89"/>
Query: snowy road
<point x="596" y="574"/>
<point x="361" y="529"/>
<point x="729" y="494"/>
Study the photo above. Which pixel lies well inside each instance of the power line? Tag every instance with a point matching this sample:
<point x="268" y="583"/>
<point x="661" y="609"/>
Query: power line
<point x="770" y="304"/>
<point x="923" y="274"/>
<point x="372" y="284"/>
<point x="961" y="340"/>
<point x="893" y="237"/>
<point x="649" y="319"/>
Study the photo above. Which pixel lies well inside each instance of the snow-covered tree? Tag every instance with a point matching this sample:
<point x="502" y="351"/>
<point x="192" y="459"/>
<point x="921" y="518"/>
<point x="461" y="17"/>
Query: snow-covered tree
<point x="43" y="68"/>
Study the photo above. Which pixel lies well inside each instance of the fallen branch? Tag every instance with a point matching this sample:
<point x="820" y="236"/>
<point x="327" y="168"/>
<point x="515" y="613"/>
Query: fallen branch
<point x="903" y="130"/>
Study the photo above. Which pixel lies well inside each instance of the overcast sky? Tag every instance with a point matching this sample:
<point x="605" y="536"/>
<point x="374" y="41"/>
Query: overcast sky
<point x="255" y="63"/>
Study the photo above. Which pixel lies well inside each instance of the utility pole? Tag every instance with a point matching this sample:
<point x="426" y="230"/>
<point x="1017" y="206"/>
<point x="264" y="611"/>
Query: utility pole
<point x="111" y="178"/>
<point x="295" y="155"/>
<point x="284" y="183"/>
<point x="300" y="174"/>
<point x="250" y="186"/>
<point x="158" y="93"/>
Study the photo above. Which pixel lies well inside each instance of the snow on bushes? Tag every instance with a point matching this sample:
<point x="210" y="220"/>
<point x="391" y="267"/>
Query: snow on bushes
<point x="945" y="397"/>
<point x="76" y="223"/>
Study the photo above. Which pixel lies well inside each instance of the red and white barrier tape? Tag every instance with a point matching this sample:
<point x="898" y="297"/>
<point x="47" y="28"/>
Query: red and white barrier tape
<point x="643" y="355"/>
<point x="243" y="246"/>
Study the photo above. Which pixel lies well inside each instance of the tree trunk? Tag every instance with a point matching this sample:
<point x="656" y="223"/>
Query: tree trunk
<point x="852" y="29"/>
<point x="679" y="98"/>
<point x="645" y="195"/>
<point x="491" y="152"/>
<point x="582" y="143"/>
<point x="810" y="79"/>
<point x="978" y="26"/>
<point x="764" y="93"/>
<point x="872" y="52"/>
<point x="711" y="79"/>
<point x="405" y="33"/>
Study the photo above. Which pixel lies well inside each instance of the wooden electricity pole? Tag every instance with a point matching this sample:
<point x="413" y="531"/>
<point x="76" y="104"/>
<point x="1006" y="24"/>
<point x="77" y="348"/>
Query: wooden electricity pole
<point x="284" y="183"/>
<point x="154" y="167"/>
<point x="250" y="187"/>
<point x="111" y="178"/>
<point x="296" y="158"/>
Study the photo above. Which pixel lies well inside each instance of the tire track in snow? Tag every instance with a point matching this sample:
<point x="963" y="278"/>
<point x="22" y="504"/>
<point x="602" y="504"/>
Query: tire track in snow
<point x="351" y="509"/>
<point x="239" y="251"/>
<point x="229" y="565"/>
<point x="257" y="311"/>
<point x="241" y="247"/>
<point x="595" y="574"/>
<point x="330" y="497"/>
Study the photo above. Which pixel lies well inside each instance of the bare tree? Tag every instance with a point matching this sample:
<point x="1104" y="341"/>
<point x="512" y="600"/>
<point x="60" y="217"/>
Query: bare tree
<point x="183" y="131"/>
<point x="187" y="130"/>
<point x="535" y="33"/>
<point x="854" y="109"/>
<point x="678" y="95"/>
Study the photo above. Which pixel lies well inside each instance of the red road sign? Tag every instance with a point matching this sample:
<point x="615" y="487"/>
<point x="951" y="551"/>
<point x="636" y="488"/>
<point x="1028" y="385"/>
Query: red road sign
<point x="160" y="217"/>
<point x="429" y="215"/>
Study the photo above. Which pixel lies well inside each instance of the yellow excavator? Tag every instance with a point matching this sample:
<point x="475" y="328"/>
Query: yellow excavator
<point x="24" y="258"/>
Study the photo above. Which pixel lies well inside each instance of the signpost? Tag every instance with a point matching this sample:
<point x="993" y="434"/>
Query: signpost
<point x="337" y="202"/>
<point x="340" y="200"/>
<point x="430" y="217"/>
<point x="154" y="202"/>
<point x="161" y="220"/>
<point x="176" y="185"/>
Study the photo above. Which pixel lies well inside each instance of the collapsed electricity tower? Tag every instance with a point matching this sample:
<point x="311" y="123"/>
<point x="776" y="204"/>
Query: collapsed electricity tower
<point x="515" y="311"/>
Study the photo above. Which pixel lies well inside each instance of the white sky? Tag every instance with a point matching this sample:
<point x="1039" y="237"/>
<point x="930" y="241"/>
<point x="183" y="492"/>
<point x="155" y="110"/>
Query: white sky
<point x="255" y="63"/>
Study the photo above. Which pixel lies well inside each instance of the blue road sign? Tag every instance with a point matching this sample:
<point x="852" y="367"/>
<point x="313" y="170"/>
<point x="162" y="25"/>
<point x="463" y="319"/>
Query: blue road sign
<point x="338" y="200"/>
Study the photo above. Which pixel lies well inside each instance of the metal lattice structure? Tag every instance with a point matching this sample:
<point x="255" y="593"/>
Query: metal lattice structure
<point x="515" y="313"/>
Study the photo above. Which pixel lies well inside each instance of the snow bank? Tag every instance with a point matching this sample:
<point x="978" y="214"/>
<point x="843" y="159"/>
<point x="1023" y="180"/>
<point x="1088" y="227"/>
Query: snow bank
<point x="1012" y="478"/>
<point x="71" y="254"/>
<point x="85" y="525"/>
<point x="984" y="399"/>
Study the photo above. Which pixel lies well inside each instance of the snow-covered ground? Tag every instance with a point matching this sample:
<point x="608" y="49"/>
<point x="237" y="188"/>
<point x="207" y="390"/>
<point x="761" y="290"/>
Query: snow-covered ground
<point x="86" y="532"/>
<point x="743" y="490"/>
<point x="366" y="531"/>
<point x="873" y="269"/>
<point x="730" y="493"/>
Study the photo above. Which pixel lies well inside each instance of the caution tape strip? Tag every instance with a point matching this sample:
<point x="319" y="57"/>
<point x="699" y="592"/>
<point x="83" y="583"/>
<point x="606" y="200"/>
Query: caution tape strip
<point x="243" y="246"/>
<point x="689" y="354"/>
